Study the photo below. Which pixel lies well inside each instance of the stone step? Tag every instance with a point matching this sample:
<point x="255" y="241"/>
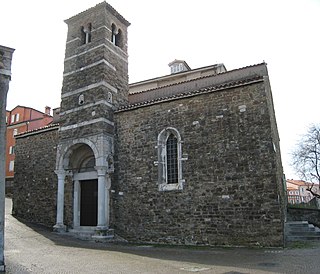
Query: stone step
<point x="301" y="231"/>
<point x="92" y="235"/>
<point x="302" y="238"/>
<point x="304" y="228"/>
<point x="297" y="224"/>
<point x="304" y="233"/>
<point x="82" y="235"/>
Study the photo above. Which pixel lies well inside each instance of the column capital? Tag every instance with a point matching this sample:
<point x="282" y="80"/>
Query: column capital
<point x="102" y="170"/>
<point x="60" y="172"/>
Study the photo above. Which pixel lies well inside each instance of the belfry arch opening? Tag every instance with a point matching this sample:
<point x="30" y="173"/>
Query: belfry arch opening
<point x="86" y="33"/>
<point x="116" y="36"/>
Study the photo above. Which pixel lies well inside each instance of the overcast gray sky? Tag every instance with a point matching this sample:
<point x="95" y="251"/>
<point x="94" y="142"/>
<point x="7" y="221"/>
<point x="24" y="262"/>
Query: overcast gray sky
<point x="283" y="33"/>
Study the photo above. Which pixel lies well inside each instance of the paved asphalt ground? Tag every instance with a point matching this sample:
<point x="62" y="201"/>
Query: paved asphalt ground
<point x="34" y="249"/>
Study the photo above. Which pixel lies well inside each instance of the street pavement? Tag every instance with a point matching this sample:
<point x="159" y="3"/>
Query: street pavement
<point x="35" y="249"/>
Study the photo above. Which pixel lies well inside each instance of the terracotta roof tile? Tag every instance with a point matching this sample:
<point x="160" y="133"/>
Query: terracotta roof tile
<point x="38" y="130"/>
<point x="192" y="93"/>
<point x="191" y="80"/>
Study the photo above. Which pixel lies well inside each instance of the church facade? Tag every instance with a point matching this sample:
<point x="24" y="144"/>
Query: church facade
<point x="189" y="158"/>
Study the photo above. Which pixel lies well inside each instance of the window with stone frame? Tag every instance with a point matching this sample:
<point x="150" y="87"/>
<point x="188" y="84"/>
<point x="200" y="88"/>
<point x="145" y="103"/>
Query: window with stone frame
<point x="11" y="165"/>
<point x="169" y="160"/>
<point x="11" y="150"/>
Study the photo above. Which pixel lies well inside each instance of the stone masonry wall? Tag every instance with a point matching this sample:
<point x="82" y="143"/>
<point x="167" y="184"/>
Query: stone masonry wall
<point x="35" y="183"/>
<point x="280" y="179"/>
<point x="231" y="190"/>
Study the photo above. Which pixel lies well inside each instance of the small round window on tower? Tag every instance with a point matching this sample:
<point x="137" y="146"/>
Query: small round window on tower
<point x="81" y="99"/>
<point x="109" y="97"/>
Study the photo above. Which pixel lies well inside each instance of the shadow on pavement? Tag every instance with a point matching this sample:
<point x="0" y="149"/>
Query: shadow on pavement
<point x="244" y="258"/>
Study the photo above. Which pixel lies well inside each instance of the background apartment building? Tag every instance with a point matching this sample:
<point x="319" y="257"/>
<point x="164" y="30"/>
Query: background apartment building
<point x="297" y="191"/>
<point x="19" y="120"/>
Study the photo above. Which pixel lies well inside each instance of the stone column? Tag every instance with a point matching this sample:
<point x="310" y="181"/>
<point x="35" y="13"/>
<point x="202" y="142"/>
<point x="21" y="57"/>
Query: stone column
<point x="101" y="198"/>
<point x="107" y="199"/>
<point x="103" y="231"/>
<point x="76" y="203"/>
<point x="5" y="77"/>
<point x="59" y="226"/>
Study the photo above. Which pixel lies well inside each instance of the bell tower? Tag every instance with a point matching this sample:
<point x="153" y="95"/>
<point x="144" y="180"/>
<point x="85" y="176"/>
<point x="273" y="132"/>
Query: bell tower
<point x="95" y="78"/>
<point x="95" y="83"/>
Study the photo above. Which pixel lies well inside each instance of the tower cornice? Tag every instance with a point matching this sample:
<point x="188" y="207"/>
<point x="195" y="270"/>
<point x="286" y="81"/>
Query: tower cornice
<point x="98" y="6"/>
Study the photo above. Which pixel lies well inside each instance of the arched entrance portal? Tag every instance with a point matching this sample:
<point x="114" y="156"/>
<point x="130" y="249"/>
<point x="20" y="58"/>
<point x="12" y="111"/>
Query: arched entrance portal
<point x="85" y="179"/>
<point x="91" y="185"/>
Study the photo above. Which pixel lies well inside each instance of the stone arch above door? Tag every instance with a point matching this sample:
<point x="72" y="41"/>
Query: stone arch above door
<point x="70" y="155"/>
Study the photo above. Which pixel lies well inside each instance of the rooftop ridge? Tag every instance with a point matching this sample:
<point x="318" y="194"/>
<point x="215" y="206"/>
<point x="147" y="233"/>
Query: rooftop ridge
<point x="27" y="108"/>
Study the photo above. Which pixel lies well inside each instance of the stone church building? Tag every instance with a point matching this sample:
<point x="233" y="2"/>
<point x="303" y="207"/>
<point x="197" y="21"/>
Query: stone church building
<point x="189" y="158"/>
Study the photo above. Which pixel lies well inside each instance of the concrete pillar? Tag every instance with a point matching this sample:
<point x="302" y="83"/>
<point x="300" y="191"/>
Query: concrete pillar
<point x="5" y="77"/>
<point x="59" y="226"/>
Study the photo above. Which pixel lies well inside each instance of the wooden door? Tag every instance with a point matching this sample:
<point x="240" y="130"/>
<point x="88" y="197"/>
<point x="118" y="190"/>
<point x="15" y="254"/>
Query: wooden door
<point x="89" y="203"/>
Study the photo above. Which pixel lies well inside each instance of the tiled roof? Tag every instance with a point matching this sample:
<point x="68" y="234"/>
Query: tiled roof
<point x="19" y="106"/>
<point x="191" y="80"/>
<point x="38" y="130"/>
<point x="291" y="188"/>
<point x="299" y="182"/>
<point x="193" y="93"/>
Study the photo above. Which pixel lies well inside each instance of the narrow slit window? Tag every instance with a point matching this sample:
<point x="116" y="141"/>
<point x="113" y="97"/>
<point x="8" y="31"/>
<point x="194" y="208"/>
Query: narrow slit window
<point x="113" y="34"/>
<point x="88" y="34"/>
<point x="83" y="36"/>
<point x="119" y="38"/>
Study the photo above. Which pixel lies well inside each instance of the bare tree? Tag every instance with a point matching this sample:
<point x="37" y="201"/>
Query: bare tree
<point x="306" y="158"/>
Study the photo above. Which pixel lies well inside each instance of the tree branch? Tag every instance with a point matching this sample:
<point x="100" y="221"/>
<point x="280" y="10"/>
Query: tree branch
<point x="313" y="193"/>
